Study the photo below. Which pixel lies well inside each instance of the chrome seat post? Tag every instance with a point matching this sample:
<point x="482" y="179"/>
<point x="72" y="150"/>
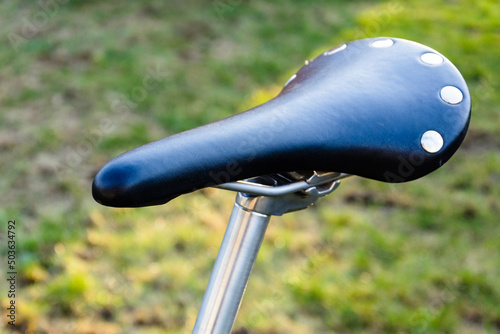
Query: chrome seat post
<point x="237" y="254"/>
<point x="242" y="240"/>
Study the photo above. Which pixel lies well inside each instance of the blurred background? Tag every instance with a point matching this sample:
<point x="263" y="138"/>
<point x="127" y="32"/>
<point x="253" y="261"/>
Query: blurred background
<point x="83" y="81"/>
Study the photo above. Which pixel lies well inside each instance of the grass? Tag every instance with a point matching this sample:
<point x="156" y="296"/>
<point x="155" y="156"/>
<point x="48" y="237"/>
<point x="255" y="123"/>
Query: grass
<point x="421" y="257"/>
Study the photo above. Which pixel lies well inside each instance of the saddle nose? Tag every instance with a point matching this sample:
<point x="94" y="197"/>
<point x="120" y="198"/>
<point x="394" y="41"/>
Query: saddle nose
<point x="387" y="109"/>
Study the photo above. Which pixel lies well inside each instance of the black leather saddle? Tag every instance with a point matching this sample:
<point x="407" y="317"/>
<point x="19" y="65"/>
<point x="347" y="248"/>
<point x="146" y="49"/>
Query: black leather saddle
<point x="383" y="108"/>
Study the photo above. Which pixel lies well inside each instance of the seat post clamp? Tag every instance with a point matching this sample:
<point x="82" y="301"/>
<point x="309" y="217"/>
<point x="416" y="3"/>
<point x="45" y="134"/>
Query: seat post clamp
<point x="299" y="192"/>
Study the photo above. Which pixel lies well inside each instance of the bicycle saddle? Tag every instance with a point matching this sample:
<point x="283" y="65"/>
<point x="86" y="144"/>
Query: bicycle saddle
<point x="387" y="109"/>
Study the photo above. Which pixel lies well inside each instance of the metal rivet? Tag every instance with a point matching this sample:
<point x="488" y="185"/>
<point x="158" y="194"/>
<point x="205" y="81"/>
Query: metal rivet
<point x="335" y="50"/>
<point x="290" y="80"/>
<point x="382" y="43"/>
<point x="451" y="95"/>
<point x="430" y="58"/>
<point x="432" y="141"/>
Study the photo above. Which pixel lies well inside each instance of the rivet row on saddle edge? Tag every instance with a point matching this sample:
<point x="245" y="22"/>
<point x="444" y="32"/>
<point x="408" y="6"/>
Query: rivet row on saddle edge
<point x="431" y="141"/>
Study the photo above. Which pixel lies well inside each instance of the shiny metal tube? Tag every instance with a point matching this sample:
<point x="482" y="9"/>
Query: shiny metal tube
<point x="237" y="254"/>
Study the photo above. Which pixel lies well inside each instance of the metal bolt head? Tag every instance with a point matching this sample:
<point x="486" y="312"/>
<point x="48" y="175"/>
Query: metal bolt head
<point x="291" y="79"/>
<point x="432" y="141"/>
<point x="335" y="50"/>
<point x="431" y="58"/>
<point x="451" y="95"/>
<point x="382" y="43"/>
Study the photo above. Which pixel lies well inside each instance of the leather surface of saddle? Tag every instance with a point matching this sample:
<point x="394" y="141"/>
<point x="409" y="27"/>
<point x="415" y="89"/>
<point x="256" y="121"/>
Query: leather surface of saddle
<point x="361" y="109"/>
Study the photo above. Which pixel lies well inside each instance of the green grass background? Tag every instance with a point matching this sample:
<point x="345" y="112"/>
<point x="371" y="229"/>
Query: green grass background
<point x="421" y="257"/>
